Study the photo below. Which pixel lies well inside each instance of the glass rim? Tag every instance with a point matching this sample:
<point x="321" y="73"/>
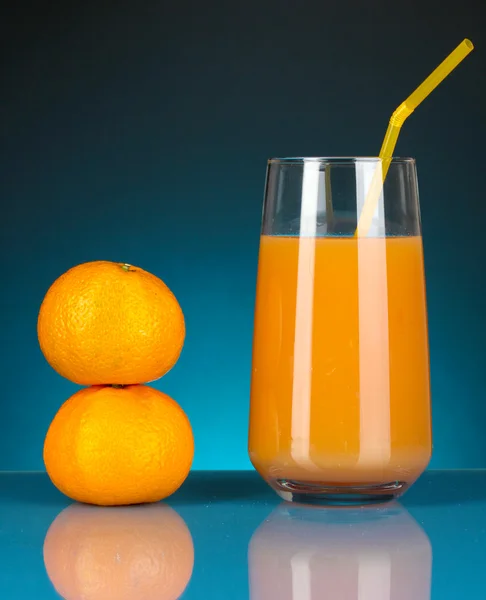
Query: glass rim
<point x="336" y="160"/>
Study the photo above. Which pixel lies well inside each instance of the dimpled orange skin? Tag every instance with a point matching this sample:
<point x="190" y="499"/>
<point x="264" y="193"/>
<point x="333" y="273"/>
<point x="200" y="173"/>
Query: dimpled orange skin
<point x="115" y="446"/>
<point x="103" y="322"/>
<point x="136" y="553"/>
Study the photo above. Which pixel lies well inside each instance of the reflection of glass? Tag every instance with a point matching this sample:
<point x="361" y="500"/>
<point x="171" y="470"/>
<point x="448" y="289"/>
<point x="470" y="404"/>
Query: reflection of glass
<point x="126" y="553"/>
<point x="340" y="406"/>
<point x="305" y="553"/>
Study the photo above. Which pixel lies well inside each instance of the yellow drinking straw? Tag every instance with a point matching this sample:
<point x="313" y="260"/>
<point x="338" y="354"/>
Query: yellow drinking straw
<point x="396" y="121"/>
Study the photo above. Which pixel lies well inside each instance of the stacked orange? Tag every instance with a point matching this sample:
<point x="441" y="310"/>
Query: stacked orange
<point x="114" y="327"/>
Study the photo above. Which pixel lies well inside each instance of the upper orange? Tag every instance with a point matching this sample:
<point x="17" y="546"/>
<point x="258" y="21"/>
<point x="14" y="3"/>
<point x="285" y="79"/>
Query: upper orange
<point x="110" y="323"/>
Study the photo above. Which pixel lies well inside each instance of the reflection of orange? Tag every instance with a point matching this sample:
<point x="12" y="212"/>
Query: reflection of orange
<point x="136" y="553"/>
<point x="125" y="445"/>
<point x="103" y="322"/>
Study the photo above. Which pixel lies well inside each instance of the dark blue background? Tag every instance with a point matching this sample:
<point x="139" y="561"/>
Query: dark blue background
<point x="139" y="132"/>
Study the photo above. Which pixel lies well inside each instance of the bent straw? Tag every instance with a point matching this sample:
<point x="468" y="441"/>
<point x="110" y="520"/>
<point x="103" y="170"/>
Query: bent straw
<point x="397" y="119"/>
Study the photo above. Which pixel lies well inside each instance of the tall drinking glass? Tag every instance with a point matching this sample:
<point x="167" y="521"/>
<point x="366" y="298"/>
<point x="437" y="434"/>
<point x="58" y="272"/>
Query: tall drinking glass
<point x="340" y="400"/>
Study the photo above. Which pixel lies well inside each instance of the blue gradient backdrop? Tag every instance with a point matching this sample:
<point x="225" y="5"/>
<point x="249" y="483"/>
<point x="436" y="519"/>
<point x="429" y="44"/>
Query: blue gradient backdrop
<point x="139" y="132"/>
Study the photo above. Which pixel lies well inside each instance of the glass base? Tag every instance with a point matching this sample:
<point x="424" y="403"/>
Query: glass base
<point x="305" y="492"/>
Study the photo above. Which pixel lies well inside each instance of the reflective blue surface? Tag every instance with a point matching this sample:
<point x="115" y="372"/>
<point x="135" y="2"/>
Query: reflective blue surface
<point x="227" y="535"/>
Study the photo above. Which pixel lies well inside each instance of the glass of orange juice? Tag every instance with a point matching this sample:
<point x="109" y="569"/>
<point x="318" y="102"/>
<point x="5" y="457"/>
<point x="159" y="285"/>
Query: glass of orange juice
<point x="340" y="396"/>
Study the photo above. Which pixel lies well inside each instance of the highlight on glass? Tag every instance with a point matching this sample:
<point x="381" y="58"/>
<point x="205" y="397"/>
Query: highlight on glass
<point x="340" y="400"/>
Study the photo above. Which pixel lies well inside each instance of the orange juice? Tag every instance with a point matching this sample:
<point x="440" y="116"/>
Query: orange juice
<point x="340" y="379"/>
